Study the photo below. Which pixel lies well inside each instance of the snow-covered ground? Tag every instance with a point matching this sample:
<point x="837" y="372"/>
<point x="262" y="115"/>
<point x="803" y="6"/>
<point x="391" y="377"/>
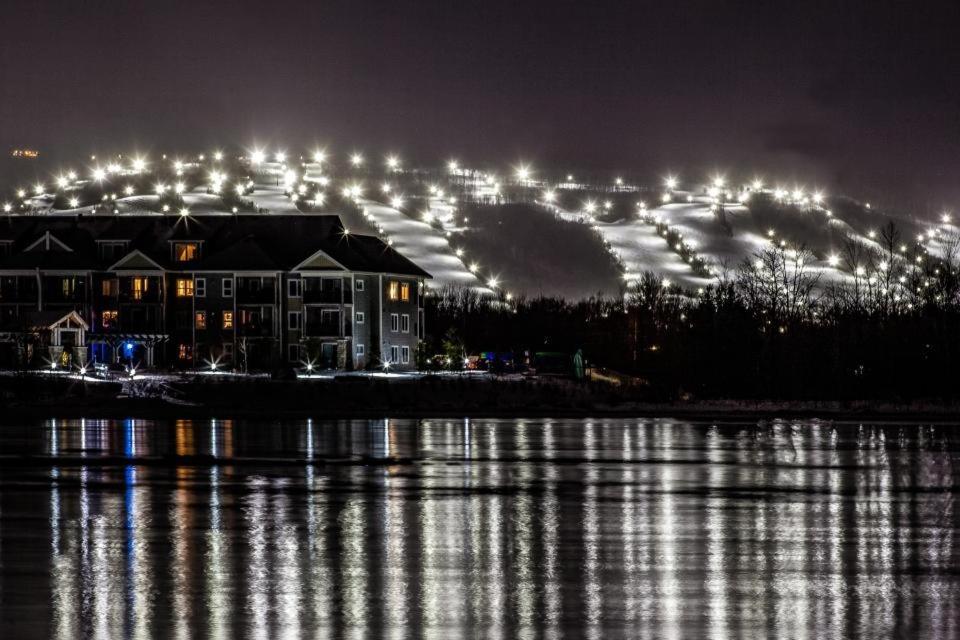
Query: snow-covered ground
<point x="722" y="237"/>
<point x="640" y="248"/>
<point x="427" y="247"/>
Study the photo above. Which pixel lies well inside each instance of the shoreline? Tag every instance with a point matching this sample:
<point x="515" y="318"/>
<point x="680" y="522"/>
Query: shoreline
<point x="32" y="398"/>
<point x="719" y="412"/>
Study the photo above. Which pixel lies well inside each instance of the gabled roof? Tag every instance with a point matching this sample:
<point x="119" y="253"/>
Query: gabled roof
<point x="134" y="260"/>
<point x="47" y="242"/>
<point x="244" y="242"/>
<point x="319" y="260"/>
<point x="52" y="319"/>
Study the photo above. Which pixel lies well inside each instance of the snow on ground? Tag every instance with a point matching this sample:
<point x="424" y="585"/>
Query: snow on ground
<point x="640" y="249"/>
<point x="703" y="231"/>
<point x="723" y="239"/>
<point x="427" y="247"/>
<point x="199" y="201"/>
<point x="271" y="199"/>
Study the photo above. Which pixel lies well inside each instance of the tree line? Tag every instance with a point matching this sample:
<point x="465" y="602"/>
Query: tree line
<point x="779" y="325"/>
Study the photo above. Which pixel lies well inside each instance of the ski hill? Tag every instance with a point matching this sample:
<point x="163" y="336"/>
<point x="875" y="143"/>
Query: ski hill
<point x="513" y="234"/>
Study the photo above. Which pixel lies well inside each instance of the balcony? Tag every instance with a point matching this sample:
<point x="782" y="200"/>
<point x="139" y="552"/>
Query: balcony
<point x="321" y="322"/>
<point x="57" y="296"/>
<point x="321" y="296"/>
<point x="255" y="330"/>
<point x="19" y="297"/>
<point x="322" y="330"/>
<point x="144" y="325"/>
<point x="151" y="296"/>
<point x="255" y="322"/>
<point x="323" y="291"/>
<point x="262" y="295"/>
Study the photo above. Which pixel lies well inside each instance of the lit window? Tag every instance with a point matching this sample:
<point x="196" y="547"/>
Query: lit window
<point x="405" y="292"/>
<point x="109" y="319"/>
<point x="185" y="251"/>
<point x="69" y="285"/>
<point x="184" y="287"/>
<point x="393" y="290"/>
<point x="109" y="288"/>
<point x="201" y="320"/>
<point x="139" y="288"/>
<point x="184" y="352"/>
<point x="228" y="319"/>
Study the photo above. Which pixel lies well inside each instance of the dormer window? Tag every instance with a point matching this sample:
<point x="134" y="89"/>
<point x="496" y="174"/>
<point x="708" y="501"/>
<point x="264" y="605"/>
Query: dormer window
<point x="186" y="251"/>
<point x="112" y="249"/>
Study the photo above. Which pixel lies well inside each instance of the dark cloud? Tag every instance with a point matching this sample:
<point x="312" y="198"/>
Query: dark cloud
<point x="809" y="140"/>
<point x="860" y="88"/>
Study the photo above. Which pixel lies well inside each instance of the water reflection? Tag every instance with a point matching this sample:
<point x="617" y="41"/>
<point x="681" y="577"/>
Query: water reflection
<point x="489" y="528"/>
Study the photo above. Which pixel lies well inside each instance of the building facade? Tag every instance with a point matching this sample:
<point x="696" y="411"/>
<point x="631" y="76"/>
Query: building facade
<point x="250" y="292"/>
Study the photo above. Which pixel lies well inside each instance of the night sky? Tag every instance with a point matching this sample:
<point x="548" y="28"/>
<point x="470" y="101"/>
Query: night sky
<point x="860" y="98"/>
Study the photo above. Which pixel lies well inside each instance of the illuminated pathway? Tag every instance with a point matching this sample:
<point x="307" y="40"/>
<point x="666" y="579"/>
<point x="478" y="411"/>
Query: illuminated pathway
<point x="641" y="249"/>
<point x="422" y="244"/>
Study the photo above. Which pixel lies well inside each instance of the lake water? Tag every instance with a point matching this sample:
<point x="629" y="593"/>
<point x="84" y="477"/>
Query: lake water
<point x="601" y="528"/>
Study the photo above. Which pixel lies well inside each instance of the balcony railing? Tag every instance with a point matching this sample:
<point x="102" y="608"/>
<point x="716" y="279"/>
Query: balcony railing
<point x="151" y="296"/>
<point x="255" y="330"/>
<point x="128" y="326"/>
<point x="255" y="296"/>
<point x="322" y="330"/>
<point x="322" y="296"/>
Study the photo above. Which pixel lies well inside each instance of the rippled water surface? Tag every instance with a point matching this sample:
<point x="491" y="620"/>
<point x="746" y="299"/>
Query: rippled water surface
<point x="479" y="528"/>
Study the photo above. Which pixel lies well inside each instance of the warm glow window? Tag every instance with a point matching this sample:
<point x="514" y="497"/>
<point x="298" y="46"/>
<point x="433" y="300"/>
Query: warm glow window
<point x="184" y="287"/>
<point x="109" y="288"/>
<point x="393" y="290"/>
<point x="185" y="251"/>
<point x="228" y="319"/>
<point x="201" y="320"/>
<point x="405" y="292"/>
<point x="140" y="286"/>
<point x="108" y="319"/>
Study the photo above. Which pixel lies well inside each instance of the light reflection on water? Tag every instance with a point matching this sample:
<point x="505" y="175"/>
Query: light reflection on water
<point x="487" y="528"/>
